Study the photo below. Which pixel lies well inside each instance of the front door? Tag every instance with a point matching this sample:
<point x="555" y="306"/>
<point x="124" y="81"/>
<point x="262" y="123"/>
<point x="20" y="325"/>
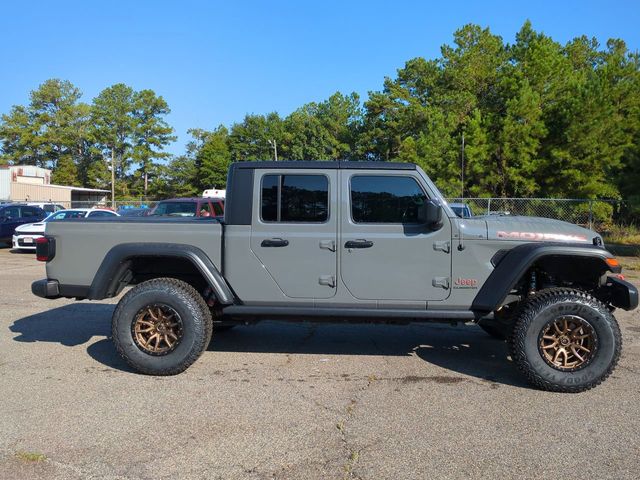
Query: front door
<point x="294" y="233"/>
<point x="11" y="221"/>
<point x="386" y="254"/>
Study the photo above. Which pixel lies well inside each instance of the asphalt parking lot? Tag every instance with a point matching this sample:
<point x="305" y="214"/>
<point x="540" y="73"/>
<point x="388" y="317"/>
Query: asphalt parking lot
<point x="295" y="401"/>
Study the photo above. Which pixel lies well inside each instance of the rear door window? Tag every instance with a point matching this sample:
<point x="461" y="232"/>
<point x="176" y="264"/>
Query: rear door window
<point x="295" y="198"/>
<point x="30" y="212"/>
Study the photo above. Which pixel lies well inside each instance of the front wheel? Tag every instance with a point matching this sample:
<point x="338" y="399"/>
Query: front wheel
<point x="565" y="340"/>
<point x="161" y="326"/>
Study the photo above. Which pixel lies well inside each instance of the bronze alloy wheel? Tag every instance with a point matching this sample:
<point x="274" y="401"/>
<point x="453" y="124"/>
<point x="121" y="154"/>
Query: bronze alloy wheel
<point x="157" y="329"/>
<point x="568" y="343"/>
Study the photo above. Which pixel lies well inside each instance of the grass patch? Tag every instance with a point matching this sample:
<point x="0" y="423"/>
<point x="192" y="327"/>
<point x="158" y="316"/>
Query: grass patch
<point x="622" y="234"/>
<point x="32" y="457"/>
<point x="630" y="264"/>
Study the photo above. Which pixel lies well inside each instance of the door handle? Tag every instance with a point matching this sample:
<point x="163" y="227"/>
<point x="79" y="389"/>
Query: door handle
<point x="358" y="244"/>
<point x="274" y="242"/>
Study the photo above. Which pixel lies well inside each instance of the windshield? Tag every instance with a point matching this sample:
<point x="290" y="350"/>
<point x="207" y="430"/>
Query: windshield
<point x="176" y="209"/>
<point x="65" y="214"/>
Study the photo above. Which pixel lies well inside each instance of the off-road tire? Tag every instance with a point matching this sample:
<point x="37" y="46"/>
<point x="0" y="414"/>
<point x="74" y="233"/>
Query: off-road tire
<point x="192" y="310"/>
<point x="548" y="305"/>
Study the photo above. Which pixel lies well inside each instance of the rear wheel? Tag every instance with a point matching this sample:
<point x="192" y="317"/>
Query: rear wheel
<point x="161" y="326"/>
<point x="565" y="340"/>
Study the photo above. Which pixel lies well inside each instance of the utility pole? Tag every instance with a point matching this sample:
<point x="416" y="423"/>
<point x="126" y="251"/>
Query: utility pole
<point x="462" y="169"/>
<point x="274" y="145"/>
<point x="113" y="179"/>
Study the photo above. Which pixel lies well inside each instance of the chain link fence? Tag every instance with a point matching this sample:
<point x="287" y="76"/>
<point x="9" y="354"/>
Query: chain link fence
<point x="589" y="213"/>
<point x="117" y="205"/>
<point x="583" y="212"/>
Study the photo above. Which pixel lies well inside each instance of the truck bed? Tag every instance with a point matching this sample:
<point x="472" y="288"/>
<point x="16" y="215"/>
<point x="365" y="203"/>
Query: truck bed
<point x="83" y="244"/>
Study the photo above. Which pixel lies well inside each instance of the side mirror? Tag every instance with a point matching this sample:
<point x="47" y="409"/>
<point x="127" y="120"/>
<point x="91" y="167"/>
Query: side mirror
<point x="431" y="214"/>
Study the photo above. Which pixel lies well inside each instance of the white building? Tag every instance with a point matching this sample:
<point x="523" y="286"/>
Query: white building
<point x="26" y="183"/>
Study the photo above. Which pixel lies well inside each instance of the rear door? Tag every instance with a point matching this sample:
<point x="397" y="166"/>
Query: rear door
<point x="31" y="214"/>
<point x="386" y="254"/>
<point x="294" y="231"/>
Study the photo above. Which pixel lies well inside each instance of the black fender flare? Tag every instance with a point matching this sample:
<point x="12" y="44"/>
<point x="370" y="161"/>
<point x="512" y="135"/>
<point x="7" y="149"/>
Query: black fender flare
<point x="116" y="262"/>
<point x="510" y="265"/>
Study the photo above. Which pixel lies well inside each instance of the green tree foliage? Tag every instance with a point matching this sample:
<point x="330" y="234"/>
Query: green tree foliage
<point x="50" y="132"/>
<point x="151" y="133"/>
<point x="250" y="139"/>
<point x="538" y="118"/>
<point x="213" y="159"/>
<point x="113" y="121"/>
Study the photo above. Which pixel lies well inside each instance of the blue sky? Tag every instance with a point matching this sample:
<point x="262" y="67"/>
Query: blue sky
<point x="216" y="61"/>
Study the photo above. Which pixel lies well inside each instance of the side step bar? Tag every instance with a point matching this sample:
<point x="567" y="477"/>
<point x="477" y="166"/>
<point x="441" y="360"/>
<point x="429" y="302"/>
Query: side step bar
<point x="318" y="313"/>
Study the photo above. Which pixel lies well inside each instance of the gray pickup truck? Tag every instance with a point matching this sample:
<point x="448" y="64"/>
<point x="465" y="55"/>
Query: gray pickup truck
<point x="336" y="241"/>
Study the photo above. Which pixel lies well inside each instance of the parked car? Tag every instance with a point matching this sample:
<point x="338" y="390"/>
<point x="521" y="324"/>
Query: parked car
<point x="463" y="210"/>
<point x="47" y="206"/>
<point x="13" y="215"/>
<point x="189" y="207"/>
<point x="25" y="236"/>
<point x="335" y="241"/>
<point x="134" y="212"/>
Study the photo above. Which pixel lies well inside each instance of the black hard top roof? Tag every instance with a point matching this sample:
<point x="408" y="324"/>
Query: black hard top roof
<point x="340" y="164"/>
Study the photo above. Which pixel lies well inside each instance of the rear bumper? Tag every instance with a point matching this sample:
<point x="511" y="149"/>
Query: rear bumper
<point x="622" y="293"/>
<point x="52" y="289"/>
<point x="46" y="288"/>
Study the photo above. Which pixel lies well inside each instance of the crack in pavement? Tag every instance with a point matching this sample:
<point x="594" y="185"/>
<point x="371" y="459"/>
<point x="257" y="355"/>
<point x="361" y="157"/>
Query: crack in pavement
<point x="352" y="454"/>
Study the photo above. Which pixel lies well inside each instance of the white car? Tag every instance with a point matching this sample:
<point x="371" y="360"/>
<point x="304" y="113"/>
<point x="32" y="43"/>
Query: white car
<point x="24" y="238"/>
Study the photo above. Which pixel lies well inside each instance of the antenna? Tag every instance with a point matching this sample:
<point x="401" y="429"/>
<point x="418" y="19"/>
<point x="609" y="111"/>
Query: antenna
<point x="461" y="220"/>
<point x="462" y="170"/>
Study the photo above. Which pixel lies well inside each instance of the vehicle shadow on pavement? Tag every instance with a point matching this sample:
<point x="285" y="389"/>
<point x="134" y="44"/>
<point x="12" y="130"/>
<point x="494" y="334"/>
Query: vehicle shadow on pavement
<point x="73" y="325"/>
<point x="463" y="349"/>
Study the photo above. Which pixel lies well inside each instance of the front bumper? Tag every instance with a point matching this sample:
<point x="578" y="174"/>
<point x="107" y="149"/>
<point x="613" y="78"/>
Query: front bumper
<point x="622" y="294"/>
<point x="46" y="288"/>
<point x="22" y="241"/>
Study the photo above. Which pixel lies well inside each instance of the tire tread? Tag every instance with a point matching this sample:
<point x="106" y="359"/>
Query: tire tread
<point x="175" y="284"/>
<point x="530" y="309"/>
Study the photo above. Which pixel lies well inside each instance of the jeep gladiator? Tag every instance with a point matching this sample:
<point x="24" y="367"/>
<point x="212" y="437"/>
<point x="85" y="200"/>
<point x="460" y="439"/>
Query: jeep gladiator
<point x="355" y="241"/>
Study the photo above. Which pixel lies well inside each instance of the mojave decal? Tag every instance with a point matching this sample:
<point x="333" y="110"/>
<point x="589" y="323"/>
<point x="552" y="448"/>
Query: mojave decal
<point x="538" y="236"/>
